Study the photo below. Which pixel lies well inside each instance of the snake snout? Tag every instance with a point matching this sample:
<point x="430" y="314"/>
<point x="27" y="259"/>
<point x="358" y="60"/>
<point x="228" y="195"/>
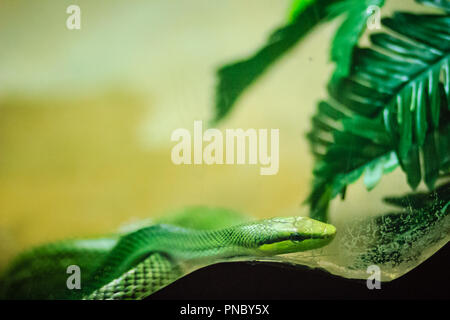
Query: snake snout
<point x="329" y="231"/>
<point x="314" y="229"/>
<point x="293" y="234"/>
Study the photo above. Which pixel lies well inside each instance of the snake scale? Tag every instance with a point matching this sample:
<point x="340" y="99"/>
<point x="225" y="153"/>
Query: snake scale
<point x="136" y="263"/>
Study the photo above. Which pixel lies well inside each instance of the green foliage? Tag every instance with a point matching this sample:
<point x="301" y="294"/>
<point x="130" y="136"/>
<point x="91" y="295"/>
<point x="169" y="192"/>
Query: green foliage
<point x="388" y="104"/>
<point x="235" y="78"/>
<point x="391" y="109"/>
<point x="297" y="7"/>
<point x="304" y="15"/>
<point x="356" y="14"/>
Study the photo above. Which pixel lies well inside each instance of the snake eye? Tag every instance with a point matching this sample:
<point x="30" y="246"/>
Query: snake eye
<point x="298" y="237"/>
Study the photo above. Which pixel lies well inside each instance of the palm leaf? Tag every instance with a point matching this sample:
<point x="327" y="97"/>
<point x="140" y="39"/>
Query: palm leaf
<point x="235" y="78"/>
<point x="346" y="38"/>
<point x="297" y="7"/>
<point x="391" y="109"/>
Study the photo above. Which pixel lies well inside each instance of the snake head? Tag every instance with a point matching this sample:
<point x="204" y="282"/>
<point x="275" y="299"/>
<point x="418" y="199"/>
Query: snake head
<point x="293" y="234"/>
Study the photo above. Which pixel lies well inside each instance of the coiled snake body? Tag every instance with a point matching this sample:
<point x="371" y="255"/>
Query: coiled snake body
<point x="138" y="263"/>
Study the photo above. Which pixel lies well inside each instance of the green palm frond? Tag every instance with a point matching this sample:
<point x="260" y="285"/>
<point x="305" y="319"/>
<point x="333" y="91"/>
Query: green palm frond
<point x="392" y="109"/>
<point x="297" y="7"/>
<point x="304" y="15"/>
<point x="235" y="78"/>
<point x="422" y="200"/>
<point x="346" y="38"/>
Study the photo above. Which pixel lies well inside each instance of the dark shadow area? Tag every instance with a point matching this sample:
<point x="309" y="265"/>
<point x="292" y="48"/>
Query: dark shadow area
<point x="239" y="280"/>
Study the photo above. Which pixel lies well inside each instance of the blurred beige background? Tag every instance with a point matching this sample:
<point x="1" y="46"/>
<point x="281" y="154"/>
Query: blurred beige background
<point x="86" y="115"/>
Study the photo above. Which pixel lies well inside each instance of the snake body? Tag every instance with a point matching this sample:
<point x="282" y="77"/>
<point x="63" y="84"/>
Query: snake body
<point x="140" y="262"/>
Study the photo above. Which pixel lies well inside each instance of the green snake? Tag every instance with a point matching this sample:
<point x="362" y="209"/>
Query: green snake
<point x="136" y="263"/>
